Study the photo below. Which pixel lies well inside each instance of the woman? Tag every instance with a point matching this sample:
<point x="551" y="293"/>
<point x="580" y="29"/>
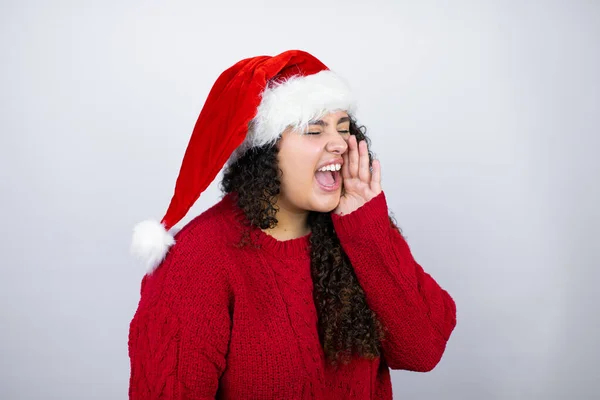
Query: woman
<point x="297" y="284"/>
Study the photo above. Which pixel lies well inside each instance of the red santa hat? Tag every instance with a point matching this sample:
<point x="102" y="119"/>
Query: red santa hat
<point x="250" y="104"/>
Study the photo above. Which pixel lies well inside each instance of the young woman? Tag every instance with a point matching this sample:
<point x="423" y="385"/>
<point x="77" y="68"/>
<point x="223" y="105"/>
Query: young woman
<point x="297" y="284"/>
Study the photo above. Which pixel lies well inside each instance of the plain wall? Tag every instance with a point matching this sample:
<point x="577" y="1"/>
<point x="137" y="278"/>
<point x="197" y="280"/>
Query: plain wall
<point x="484" y="114"/>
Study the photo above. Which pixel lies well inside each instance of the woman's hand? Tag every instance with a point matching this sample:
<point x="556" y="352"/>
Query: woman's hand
<point x="360" y="184"/>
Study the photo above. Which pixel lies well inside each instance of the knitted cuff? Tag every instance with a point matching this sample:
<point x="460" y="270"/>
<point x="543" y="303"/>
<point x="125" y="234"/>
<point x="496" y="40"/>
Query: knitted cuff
<point x="373" y="215"/>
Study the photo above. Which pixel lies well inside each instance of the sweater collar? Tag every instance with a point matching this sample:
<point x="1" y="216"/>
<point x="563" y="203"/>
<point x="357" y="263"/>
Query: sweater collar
<point x="284" y="248"/>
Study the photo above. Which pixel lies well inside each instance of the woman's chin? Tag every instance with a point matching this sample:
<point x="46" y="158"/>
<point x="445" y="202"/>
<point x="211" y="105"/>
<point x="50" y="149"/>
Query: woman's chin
<point x="326" y="202"/>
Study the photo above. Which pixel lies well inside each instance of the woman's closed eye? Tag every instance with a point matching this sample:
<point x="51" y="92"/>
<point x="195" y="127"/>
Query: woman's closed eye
<point x="345" y="132"/>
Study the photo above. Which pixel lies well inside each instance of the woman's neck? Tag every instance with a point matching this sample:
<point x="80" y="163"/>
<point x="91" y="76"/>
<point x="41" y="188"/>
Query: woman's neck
<point x="291" y="224"/>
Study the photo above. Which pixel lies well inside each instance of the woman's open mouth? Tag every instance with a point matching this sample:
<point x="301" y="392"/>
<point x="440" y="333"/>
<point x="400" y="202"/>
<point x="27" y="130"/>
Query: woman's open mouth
<point x="329" y="181"/>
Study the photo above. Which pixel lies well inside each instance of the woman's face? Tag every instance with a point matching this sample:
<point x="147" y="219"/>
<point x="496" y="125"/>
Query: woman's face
<point x="302" y="154"/>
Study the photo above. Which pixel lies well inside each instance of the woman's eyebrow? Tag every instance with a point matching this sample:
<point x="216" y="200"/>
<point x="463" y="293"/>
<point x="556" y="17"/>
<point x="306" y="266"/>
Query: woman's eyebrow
<point x="323" y="123"/>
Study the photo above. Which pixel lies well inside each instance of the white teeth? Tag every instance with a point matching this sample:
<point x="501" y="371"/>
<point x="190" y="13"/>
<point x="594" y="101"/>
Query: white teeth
<point x="331" y="167"/>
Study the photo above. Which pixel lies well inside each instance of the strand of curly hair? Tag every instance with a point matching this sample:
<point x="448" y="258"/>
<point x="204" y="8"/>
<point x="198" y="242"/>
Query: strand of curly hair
<point x="346" y="324"/>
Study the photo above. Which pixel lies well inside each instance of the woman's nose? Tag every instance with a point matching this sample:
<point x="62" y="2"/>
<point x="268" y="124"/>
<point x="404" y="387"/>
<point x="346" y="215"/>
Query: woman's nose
<point x="337" y="145"/>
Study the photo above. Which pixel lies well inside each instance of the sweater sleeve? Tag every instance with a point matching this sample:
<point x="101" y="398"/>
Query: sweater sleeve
<point x="179" y="335"/>
<point x="417" y="314"/>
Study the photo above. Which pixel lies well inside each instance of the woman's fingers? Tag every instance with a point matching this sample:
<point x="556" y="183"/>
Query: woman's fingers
<point x="363" y="172"/>
<point x="345" y="167"/>
<point x="353" y="156"/>
<point x="376" y="178"/>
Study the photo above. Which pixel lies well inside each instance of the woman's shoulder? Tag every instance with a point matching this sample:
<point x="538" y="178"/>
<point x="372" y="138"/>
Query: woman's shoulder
<point x="207" y="233"/>
<point x="200" y="254"/>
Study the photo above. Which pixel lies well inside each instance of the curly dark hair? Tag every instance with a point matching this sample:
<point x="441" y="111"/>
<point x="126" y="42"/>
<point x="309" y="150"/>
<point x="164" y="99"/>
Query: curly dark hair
<point x="346" y="323"/>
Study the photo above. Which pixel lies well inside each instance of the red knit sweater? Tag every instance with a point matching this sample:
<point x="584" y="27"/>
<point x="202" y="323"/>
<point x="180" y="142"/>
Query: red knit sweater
<point x="220" y="321"/>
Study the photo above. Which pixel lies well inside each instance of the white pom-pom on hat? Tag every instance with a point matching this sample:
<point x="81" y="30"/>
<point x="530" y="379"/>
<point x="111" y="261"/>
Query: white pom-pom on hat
<point x="150" y="243"/>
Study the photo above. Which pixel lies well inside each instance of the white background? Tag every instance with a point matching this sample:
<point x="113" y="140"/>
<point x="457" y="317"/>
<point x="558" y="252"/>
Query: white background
<point x="484" y="114"/>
